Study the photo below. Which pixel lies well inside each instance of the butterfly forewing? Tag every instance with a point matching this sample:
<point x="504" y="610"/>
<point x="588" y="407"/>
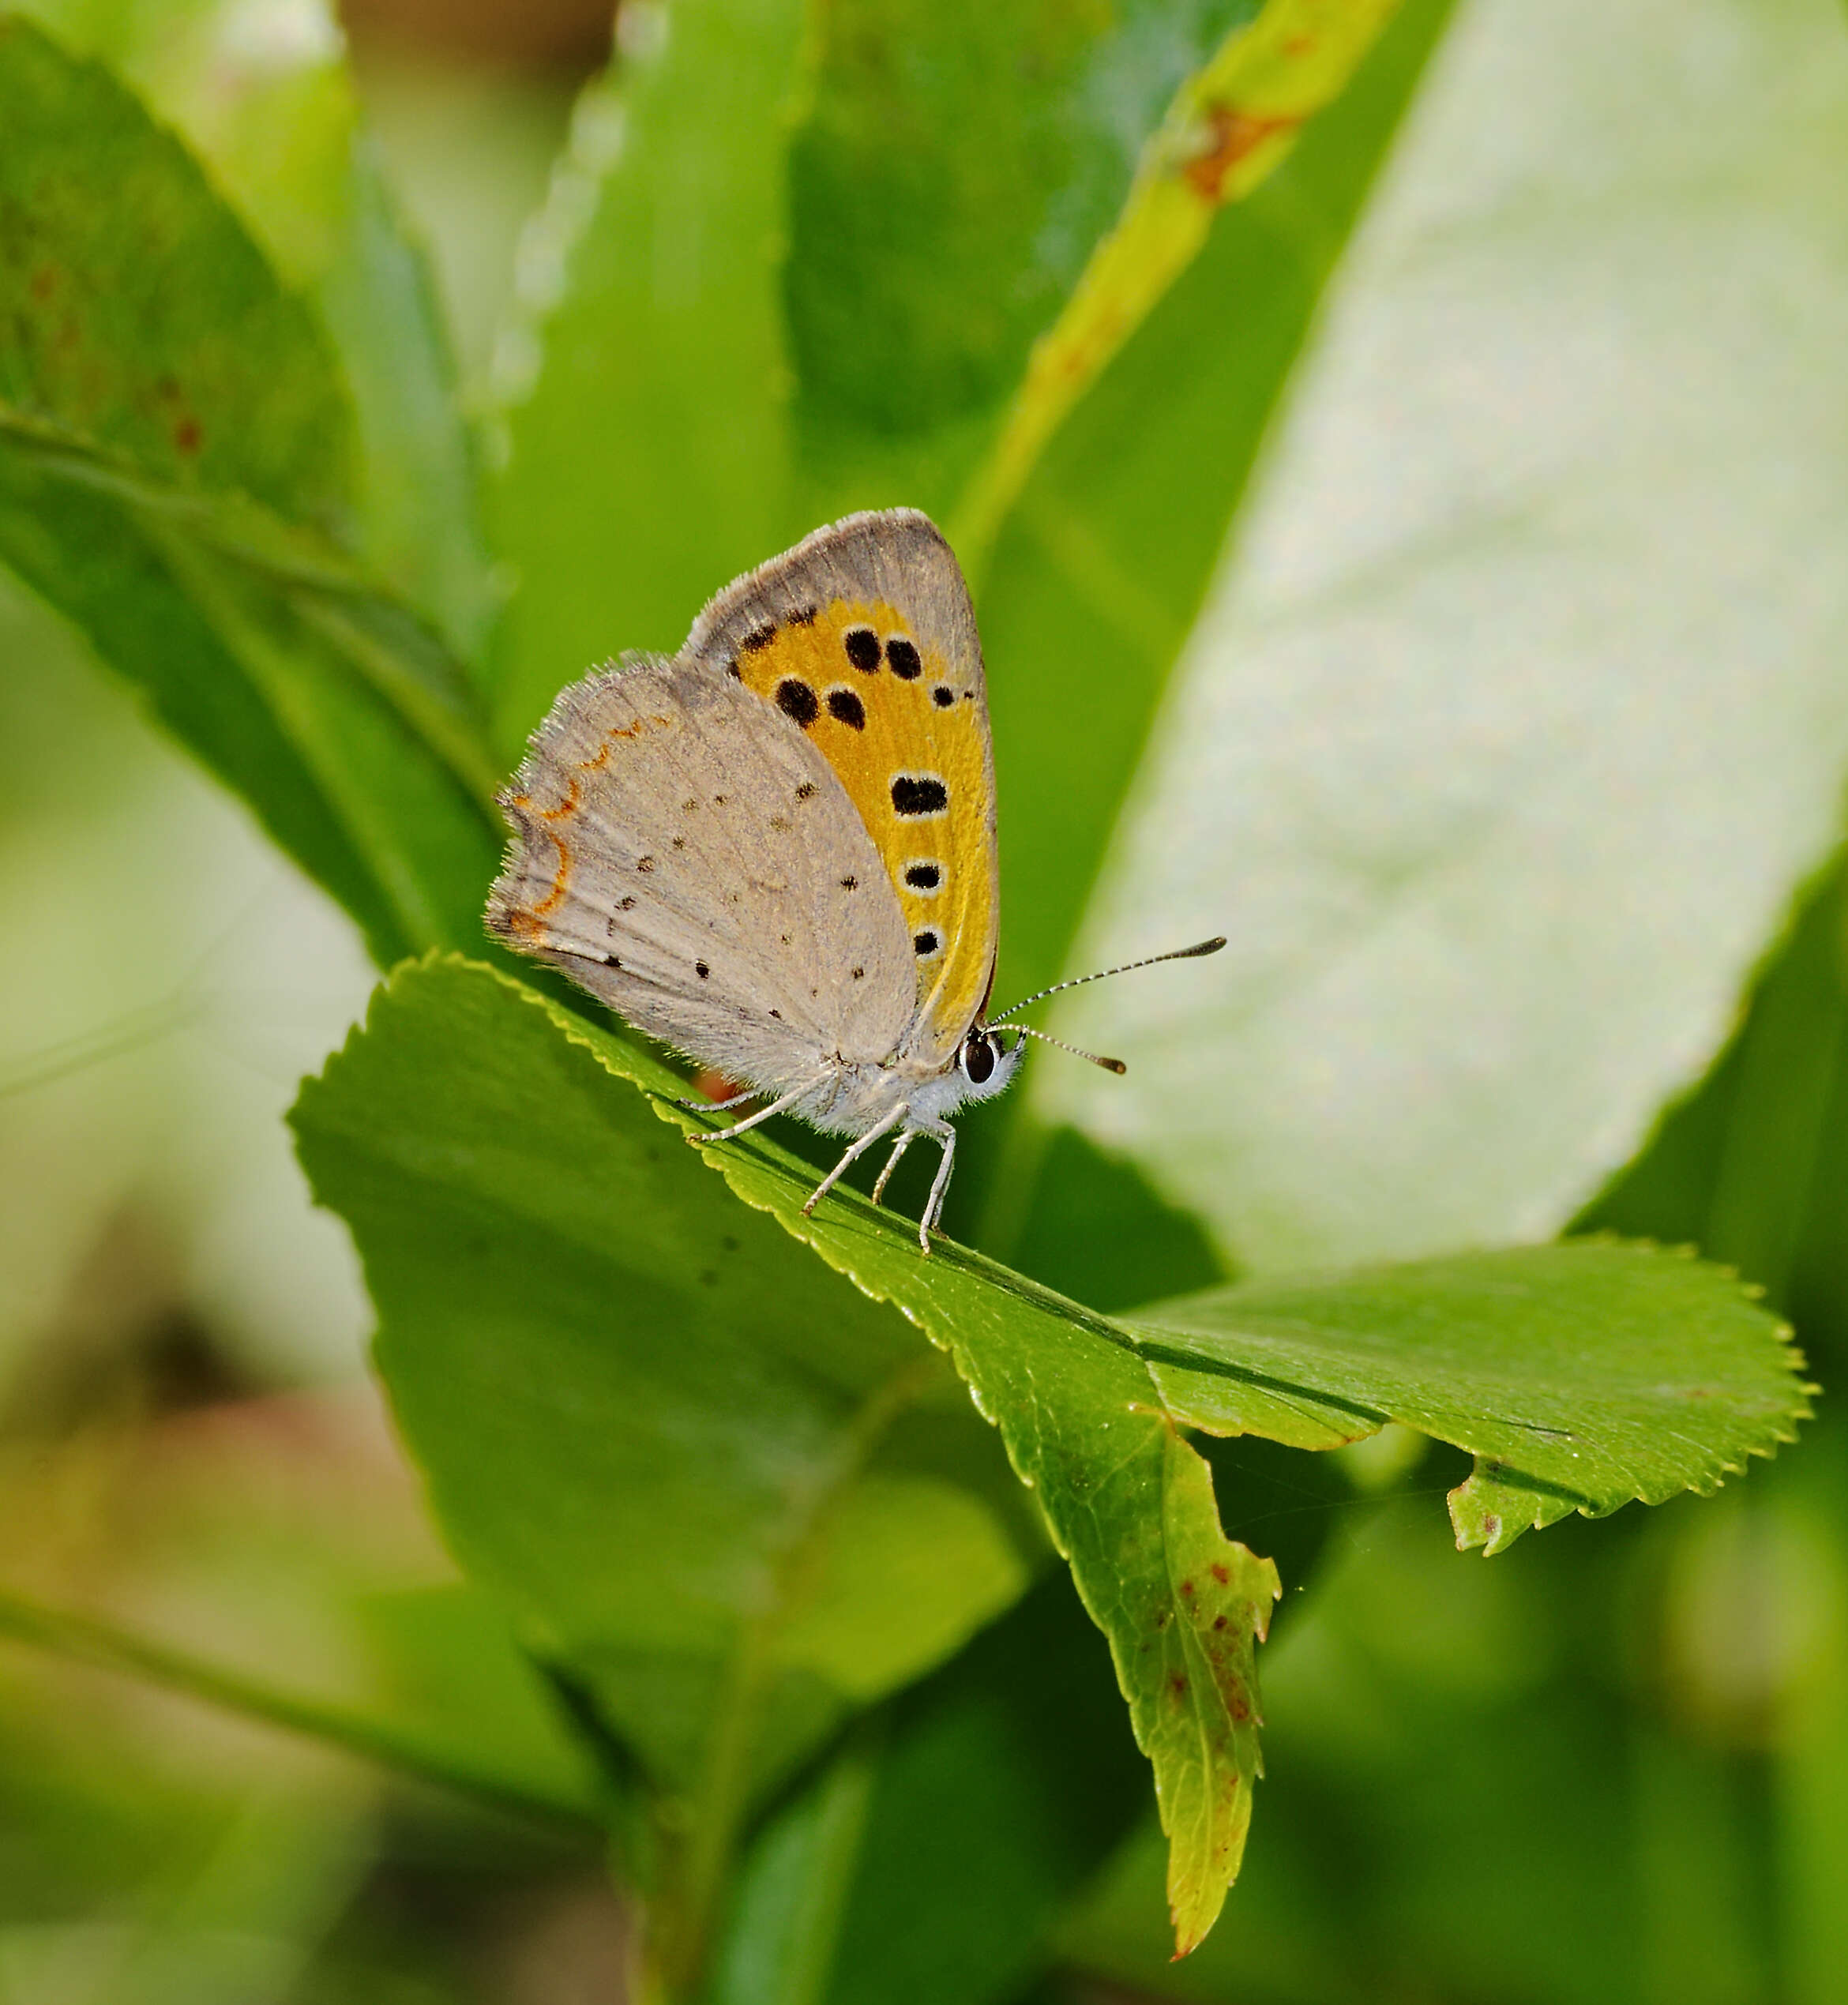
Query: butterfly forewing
<point x="690" y="858"/>
<point x="862" y="637"/>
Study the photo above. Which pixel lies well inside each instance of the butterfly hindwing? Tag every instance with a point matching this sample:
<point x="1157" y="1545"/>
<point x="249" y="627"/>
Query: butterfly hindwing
<point x="862" y="637"/>
<point x="692" y="861"/>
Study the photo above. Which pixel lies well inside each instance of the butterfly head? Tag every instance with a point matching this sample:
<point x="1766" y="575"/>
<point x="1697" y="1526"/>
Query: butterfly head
<point x="986" y="1062"/>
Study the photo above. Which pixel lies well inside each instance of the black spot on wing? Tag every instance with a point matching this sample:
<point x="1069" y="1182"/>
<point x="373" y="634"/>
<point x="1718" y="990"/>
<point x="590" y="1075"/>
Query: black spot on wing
<point x="846" y="707"/>
<point x="918" y="793"/>
<point x="758" y="639"/>
<point x="797" y="701"/>
<point x="943" y="697"/>
<point x="902" y="658"/>
<point x="925" y="943"/>
<point x="862" y="645"/>
<point x="923" y="876"/>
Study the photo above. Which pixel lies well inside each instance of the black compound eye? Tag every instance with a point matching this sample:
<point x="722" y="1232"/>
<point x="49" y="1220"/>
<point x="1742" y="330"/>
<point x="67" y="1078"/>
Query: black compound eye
<point x="978" y="1057"/>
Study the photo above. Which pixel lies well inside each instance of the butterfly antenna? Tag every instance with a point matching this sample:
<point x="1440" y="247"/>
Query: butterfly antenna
<point x="1076" y="1050"/>
<point x="1103" y="974"/>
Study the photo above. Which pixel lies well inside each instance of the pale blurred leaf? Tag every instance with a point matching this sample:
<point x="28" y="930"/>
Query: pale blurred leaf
<point x="1517" y="713"/>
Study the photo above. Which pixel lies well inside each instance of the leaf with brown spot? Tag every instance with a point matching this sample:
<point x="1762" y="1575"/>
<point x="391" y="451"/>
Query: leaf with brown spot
<point x="1582" y="1353"/>
<point x="176" y="474"/>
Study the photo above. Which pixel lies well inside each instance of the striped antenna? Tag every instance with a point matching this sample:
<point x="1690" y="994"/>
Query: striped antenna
<point x="1076" y="1050"/>
<point x="1103" y="974"/>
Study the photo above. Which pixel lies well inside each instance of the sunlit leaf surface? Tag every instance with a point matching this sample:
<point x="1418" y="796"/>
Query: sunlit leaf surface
<point x="1516" y="711"/>
<point x="1580" y="1377"/>
<point x="670" y="1519"/>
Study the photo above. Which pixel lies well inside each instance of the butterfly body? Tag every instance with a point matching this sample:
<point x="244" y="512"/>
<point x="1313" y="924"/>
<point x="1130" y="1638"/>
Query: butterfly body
<point x="775" y="851"/>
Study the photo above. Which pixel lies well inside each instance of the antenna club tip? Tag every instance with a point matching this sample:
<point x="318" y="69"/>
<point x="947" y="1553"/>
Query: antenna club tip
<point x="1113" y="1065"/>
<point x="1208" y="946"/>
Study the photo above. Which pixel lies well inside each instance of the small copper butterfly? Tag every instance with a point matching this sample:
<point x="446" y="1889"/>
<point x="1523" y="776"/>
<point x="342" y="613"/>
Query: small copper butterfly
<point x="775" y="852"/>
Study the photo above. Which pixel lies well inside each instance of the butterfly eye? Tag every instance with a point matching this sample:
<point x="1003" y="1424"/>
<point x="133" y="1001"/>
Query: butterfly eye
<point x="979" y="1055"/>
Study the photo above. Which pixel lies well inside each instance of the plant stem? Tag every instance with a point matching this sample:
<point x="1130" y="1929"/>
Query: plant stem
<point x="697" y="1857"/>
<point x="84" y="1640"/>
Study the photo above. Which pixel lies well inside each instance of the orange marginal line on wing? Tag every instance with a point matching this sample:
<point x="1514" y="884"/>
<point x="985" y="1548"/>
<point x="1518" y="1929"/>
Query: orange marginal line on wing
<point x="529" y="920"/>
<point x="621" y="731"/>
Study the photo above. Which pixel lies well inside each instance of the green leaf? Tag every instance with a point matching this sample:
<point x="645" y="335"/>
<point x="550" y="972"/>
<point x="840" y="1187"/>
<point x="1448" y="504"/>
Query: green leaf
<point x="1748" y="1167"/>
<point x="140" y="312"/>
<point x="1455" y="1755"/>
<point x="419" y="495"/>
<point x="1095" y="1231"/>
<point x="950" y="173"/>
<point x="175" y="461"/>
<point x="473" y="1114"/>
<point x="1580" y="1377"/>
<point x="261" y="96"/>
<point x="1099" y="571"/>
<point x="957" y="166"/>
<point x="701" y="1526"/>
<point x="1230" y="124"/>
<point x="264" y="99"/>
<point x="927" y="1860"/>
<point x="735" y="1496"/>
<point x="645" y="447"/>
<point x="443" y="1667"/>
<point x="1467" y="701"/>
<point x="509" y="1755"/>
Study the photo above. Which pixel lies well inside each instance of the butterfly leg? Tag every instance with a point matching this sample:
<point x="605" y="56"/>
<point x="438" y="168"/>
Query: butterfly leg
<point x="892" y="1162"/>
<point x="858" y="1149"/>
<point x="744" y="1127"/>
<point x="939" y="1131"/>
<point x="700" y="1105"/>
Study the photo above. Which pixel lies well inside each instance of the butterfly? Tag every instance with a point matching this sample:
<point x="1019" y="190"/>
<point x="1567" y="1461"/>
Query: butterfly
<point x="774" y="852"/>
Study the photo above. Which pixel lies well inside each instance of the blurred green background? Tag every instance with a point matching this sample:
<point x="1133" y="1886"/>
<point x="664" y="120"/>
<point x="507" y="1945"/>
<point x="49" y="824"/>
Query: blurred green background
<point x="1611" y="1765"/>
